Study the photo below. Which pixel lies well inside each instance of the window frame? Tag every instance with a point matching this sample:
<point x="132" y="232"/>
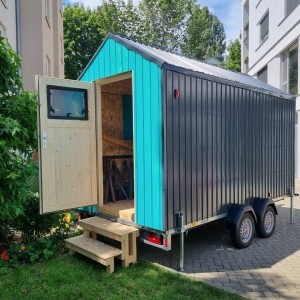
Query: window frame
<point x="286" y="12"/>
<point x="261" y="71"/>
<point x="285" y="59"/>
<point x="2" y="30"/>
<point x="62" y="56"/>
<point x="48" y="66"/>
<point x="266" y="15"/>
<point x="47" y="12"/>
<point x="85" y="91"/>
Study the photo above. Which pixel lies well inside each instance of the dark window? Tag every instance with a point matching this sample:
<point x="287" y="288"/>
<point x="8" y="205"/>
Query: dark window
<point x="67" y="103"/>
<point x="47" y="12"/>
<point x="127" y="118"/>
<point x="262" y="75"/>
<point x="289" y="70"/>
<point x="264" y="28"/>
<point x="290" y="5"/>
<point x="293" y="71"/>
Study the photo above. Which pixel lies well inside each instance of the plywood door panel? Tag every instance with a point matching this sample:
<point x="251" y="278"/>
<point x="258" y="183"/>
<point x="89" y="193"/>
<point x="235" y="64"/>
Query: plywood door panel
<point x="68" y="166"/>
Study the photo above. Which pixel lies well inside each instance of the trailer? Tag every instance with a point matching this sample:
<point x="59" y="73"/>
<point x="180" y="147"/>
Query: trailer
<point x="183" y="142"/>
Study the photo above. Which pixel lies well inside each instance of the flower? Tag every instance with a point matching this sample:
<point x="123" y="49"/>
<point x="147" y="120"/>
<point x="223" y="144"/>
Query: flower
<point x="4" y="255"/>
<point x="22" y="248"/>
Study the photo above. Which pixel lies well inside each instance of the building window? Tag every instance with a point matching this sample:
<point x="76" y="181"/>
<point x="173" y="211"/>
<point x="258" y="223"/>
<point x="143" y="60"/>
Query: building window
<point x="262" y="75"/>
<point x="61" y="8"/>
<point x="264" y="28"/>
<point x="246" y="36"/>
<point x="47" y="12"/>
<point x="2" y="30"/>
<point x="289" y="70"/>
<point x="48" y="67"/>
<point x="246" y="61"/>
<point x="290" y="5"/>
<point x="61" y="50"/>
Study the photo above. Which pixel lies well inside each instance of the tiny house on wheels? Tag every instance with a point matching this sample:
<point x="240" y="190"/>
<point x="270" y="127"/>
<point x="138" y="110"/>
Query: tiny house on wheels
<point x="164" y="143"/>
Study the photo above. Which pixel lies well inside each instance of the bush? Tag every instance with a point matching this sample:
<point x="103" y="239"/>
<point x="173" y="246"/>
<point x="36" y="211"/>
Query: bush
<point x="31" y="223"/>
<point x="41" y="249"/>
<point x="17" y="139"/>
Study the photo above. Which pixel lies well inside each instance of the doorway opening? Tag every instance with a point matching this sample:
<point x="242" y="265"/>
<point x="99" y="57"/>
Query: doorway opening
<point x="117" y="149"/>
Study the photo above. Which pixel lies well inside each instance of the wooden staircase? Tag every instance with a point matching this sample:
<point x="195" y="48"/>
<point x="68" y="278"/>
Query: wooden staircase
<point x="88" y="245"/>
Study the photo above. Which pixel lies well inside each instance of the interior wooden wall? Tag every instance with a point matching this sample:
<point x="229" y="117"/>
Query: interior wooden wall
<point x="112" y="115"/>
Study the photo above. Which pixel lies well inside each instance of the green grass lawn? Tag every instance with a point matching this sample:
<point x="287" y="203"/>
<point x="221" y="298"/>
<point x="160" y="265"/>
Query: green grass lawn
<point x="74" y="277"/>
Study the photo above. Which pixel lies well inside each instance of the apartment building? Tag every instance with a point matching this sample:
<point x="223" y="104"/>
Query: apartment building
<point x="270" y="48"/>
<point x="34" y="29"/>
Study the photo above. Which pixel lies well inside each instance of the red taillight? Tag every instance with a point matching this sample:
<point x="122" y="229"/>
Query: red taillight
<point x="154" y="238"/>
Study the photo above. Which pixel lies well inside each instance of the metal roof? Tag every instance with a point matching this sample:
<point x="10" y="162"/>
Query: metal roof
<point x="167" y="59"/>
<point x="162" y="57"/>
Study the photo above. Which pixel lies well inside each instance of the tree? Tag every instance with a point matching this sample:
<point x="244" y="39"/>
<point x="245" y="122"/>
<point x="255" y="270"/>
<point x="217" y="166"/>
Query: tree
<point x="205" y="35"/>
<point x="233" y="61"/>
<point x="164" y="22"/>
<point x="85" y="29"/>
<point x="174" y="25"/>
<point x="119" y="17"/>
<point x="17" y="138"/>
<point x="82" y="37"/>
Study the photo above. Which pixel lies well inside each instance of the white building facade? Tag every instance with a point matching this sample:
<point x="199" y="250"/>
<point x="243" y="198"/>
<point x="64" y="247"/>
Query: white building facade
<point x="270" y="48"/>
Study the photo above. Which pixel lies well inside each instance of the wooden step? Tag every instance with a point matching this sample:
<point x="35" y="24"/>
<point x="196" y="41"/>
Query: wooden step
<point x="96" y="250"/>
<point x="124" y="234"/>
<point x="107" y="228"/>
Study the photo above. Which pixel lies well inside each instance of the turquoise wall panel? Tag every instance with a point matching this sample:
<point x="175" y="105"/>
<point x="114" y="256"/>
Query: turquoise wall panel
<point x="114" y="58"/>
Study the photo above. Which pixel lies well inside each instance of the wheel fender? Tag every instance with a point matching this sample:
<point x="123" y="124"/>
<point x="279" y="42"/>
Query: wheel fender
<point x="235" y="214"/>
<point x="260" y="205"/>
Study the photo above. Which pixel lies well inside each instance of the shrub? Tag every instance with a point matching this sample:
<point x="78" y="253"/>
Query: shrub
<point x="17" y="139"/>
<point x="41" y="249"/>
<point x="31" y="223"/>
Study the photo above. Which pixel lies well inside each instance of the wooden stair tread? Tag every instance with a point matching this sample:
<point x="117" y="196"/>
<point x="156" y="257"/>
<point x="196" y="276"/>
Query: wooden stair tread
<point x="98" y="225"/>
<point x="94" y="247"/>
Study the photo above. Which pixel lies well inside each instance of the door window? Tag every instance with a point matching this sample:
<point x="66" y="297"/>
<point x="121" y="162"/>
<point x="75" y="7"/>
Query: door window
<point x="67" y="103"/>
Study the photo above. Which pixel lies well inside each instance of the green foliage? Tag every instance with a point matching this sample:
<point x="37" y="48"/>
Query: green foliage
<point x="164" y="22"/>
<point x="85" y="29"/>
<point x="82" y="37"/>
<point x="118" y="16"/>
<point x="233" y="61"/>
<point x="73" y="277"/>
<point x="17" y="138"/>
<point x="31" y="223"/>
<point x="38" y="250"/>
<point x="205" y="35"/>
<point x="175" y="25"/>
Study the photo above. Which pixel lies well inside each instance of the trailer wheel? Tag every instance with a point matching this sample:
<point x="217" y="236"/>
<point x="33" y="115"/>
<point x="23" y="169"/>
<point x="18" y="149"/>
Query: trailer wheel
<point x="266" y="225"/>
<point x="243" y="233"/>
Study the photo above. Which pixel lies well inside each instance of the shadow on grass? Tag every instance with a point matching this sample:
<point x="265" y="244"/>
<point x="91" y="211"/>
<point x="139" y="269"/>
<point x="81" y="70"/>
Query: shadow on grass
<point x="79" y="278"/>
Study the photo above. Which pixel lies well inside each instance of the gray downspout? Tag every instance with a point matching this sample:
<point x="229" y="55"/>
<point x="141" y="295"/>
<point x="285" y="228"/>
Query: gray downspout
<point x="18" y="38"/>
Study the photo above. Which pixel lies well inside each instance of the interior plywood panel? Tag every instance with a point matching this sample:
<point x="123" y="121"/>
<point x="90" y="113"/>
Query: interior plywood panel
<point x="112" y="118"/>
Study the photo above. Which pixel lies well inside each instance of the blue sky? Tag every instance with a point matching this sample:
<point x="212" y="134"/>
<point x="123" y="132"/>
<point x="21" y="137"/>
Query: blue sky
<point x="228" y="11"/>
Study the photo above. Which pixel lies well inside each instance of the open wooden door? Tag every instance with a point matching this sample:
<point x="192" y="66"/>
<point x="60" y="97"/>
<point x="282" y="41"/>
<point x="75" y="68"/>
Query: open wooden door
<point x="67" y="144"/>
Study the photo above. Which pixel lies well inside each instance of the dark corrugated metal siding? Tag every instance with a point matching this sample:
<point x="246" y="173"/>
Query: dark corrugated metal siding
<point x="222" y="145"/>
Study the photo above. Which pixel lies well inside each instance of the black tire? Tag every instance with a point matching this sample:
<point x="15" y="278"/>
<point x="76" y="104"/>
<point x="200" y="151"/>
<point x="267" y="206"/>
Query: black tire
<point x="243" y="233"/>
<point x="266" y="225"/>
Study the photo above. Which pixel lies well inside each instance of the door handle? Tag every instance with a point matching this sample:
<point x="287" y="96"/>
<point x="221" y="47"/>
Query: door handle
<point x="44" y="139"/>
